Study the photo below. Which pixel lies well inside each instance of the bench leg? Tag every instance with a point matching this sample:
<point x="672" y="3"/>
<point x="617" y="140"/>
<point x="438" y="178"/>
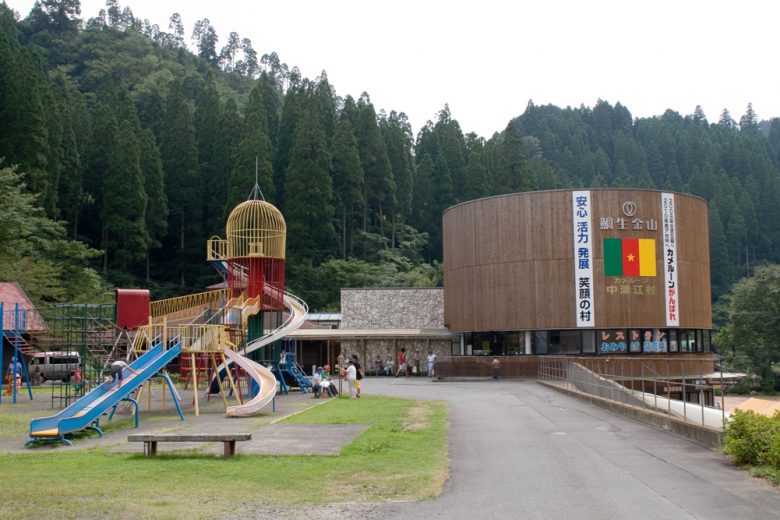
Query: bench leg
<point x="230" y="448"/>
<point x="150" y="448"/>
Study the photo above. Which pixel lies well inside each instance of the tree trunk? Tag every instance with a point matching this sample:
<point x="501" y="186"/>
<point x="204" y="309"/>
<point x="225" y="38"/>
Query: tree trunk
<point x="392" y="233"/>
<point x="381" y="222"/>
<point x="365" y="218"/>
<point x="181" y="250"/>
<point x="103" y="246"/>
<point x="344" y="233"/>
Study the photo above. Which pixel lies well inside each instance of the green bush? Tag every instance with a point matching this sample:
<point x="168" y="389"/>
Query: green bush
<point x="753" y="439"/>
<point x="773" y="455"/>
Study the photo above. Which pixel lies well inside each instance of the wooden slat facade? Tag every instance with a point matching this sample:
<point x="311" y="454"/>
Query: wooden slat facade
<point x="509" y="263"/>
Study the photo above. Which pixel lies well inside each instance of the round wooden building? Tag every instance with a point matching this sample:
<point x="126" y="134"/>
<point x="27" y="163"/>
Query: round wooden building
<point x="600" y="271"/>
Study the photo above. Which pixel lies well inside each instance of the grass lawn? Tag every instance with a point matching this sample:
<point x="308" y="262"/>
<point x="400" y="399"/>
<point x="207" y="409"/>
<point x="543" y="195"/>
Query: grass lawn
<point x="402" y="455"/>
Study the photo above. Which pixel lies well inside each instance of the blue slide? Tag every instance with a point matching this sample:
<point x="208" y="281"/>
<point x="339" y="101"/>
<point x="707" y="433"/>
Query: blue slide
<point x="87" y="410"/>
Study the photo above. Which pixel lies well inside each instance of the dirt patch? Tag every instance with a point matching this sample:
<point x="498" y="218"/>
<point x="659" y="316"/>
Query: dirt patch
<point x="418" y="417"/>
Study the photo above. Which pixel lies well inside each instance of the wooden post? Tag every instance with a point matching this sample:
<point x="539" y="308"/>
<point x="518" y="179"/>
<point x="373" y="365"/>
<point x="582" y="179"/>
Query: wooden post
<point x="230" y="379"/>
<point x="219" y="379"/>
<point x="194" y="384"/>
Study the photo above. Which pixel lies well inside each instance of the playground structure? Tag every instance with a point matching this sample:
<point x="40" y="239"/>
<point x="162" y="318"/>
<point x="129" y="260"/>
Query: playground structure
<point x="216" y="333"/>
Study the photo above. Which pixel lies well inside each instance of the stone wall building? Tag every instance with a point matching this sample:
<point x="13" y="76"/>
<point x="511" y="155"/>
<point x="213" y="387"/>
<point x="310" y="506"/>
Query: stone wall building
<point x="376" y="324"/>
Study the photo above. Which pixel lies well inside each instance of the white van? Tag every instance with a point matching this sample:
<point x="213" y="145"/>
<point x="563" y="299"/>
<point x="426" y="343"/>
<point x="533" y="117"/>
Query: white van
<point x="54" y="365"/>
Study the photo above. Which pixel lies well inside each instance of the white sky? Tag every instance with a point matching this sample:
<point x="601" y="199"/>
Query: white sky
<point x="487" y="59"/>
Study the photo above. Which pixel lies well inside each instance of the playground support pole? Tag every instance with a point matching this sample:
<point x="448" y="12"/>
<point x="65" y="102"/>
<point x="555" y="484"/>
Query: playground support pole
<point x="219" y="379"/>
<point x="230" y="378"/>
<point x="16" y="352"/>
<point x="194" y="384"/>
<point x="2" y="333"/>
<point x="19" y="323"/>
<point x="173" y="394"/>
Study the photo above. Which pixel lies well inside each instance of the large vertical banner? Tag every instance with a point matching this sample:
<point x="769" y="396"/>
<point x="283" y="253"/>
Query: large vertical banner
<point x="583" y="259"/>
<point x="670" y="260"/>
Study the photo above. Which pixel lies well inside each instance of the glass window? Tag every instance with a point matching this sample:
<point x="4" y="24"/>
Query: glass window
<point x="564" y="342"/>
<point x="540" y="342"/>
<point x="479" y="344"/>
<point x="589" y="341"/>
<point x="457" y="340"/>
<point x="673" y="345"/>
<point x="653" y="340"/>
<point x="498" y="344"/>
<point x="687" y="341"/>
<point x="635" y="340"/>
<point x="612" y="341"/>
<point x="705" y="336"/>
<point x="514" y="343"/>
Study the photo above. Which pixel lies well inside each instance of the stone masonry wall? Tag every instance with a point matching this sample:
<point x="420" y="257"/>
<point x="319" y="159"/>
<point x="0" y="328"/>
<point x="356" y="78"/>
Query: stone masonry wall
<point x="412" y="308"/>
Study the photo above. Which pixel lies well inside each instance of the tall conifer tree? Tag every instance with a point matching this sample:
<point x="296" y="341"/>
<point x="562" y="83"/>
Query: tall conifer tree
<point x="513" y="174"/>
<point x="254" y="150"/>
<point x="182" y="184"/>
<point x="309" y="196"/>
<point x="347" y="183"/>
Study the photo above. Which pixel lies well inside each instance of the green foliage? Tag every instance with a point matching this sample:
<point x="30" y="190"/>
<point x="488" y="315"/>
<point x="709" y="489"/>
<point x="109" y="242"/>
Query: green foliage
<point x="320" y="286"/>
<point x="309" y="194"/>
<point x="347" y="183"/>
<point x="753" y="439"/>
<point x="253" y="160"/>
<point x="200" y="120"/>
<point x="754" y="324"/>
<point x="35" y="253"/>
<point x="401" y="455"/>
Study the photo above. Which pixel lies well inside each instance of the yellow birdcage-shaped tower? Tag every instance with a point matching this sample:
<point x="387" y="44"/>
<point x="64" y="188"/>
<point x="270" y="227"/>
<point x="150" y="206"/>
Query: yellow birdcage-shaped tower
<point x="252" y="257"/>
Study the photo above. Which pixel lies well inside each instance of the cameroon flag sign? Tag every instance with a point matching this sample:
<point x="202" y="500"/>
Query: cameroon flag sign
<point x="629" y="257"/>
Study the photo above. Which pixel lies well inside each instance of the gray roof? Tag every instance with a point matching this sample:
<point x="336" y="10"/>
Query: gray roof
<point x="323" y="316"/>
<point x="353" y="334"/>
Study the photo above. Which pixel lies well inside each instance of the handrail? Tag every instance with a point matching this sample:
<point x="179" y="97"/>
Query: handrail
<point x="216" y="249"/>
<point x="180" y="304"/>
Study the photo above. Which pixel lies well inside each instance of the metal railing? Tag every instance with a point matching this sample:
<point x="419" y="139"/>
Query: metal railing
<point x="189" y="306"/>
<point x="675" y="389"/>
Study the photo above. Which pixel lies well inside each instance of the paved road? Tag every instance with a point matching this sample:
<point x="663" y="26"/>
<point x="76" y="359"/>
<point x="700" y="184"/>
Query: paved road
<point x="521" y="450"/>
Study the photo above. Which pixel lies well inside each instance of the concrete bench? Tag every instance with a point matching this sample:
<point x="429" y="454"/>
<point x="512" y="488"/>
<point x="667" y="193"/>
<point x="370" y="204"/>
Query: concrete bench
<point x="150" y="440"/>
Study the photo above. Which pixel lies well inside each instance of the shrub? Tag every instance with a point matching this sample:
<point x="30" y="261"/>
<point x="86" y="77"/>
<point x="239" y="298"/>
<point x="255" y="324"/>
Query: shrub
<point x="750" y="438"/>
<point x="773" y="455"/>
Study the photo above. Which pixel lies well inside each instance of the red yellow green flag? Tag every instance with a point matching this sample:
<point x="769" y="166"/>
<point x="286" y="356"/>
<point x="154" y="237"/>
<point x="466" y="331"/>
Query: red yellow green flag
<point x="629" y="257"/>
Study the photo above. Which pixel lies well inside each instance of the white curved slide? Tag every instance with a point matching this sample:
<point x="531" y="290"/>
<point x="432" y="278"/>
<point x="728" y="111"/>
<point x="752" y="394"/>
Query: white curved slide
<point x="297" y="310"/>
<point x="265" y="380"/>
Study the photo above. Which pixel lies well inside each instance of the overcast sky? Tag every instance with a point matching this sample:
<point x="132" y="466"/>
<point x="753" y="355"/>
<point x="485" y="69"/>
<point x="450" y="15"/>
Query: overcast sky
<point x="487" y="59"/>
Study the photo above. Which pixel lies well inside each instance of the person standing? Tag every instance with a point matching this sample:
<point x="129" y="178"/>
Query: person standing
<point x="117" y="370"/>
<point x="14" y="375"/>
<point x="358" y="373"/>
<point x="401" y="362"/>
<point x="352" y="379"/>
<point x="496" y="368"/>
<point x="431" y="363"/>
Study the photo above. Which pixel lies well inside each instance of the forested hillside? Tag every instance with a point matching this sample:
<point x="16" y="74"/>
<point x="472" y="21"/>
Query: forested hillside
<point x="141" y="148"/>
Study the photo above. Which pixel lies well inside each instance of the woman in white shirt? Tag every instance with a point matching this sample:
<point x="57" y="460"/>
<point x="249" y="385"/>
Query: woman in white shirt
<point x="351" y="378"/>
